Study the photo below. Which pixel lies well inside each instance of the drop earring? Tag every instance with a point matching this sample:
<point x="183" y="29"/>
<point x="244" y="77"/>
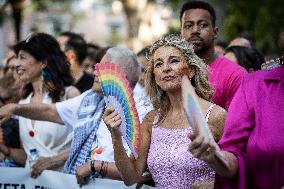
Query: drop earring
<point x="47" y="77"/>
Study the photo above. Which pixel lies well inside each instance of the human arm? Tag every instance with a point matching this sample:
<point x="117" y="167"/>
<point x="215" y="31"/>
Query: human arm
<point x="17" y="154"/>
<point x="49" y="163"/>
<point x="224" y="163"/>
<point x="239" y="125"/>
<point x="206" y="149"/>
<point x="107" y="170"/>
<point x="34" y="111"/>
<point x="130" y="170"/>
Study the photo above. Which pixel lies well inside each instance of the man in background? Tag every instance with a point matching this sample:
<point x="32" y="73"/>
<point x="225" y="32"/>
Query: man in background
<point x="75" y="48"/>
<point x="198" y="27"/>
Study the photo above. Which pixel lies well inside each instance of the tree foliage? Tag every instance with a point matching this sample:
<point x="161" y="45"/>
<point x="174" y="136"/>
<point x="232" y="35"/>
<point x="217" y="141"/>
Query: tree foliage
<point x="263" y="19"/>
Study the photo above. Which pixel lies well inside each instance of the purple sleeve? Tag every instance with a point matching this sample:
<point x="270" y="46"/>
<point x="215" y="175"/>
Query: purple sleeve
<point x="239" y="125"/>
<point x="235" y="81"/>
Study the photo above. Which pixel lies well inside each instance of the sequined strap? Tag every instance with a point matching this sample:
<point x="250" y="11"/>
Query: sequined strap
<point x="209" y="112"/>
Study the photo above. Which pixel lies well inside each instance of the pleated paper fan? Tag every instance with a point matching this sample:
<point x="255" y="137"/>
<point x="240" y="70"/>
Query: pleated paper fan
<point x="193" y="110"/>
<point x="119" y="96"/>
<point x="194" y="114"/>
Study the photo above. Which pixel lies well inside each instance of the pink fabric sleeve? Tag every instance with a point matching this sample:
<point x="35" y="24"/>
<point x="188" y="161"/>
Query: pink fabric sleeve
<point x="235" y="79"/>
<point x="239" y="125"/>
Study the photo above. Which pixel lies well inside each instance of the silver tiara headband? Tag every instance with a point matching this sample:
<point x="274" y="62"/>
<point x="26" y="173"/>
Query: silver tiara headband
<point x="178" y="42"/>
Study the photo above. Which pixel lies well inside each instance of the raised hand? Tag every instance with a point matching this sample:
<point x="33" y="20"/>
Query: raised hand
<point x="203" y="148"/>
<point x="43" y="163"/>
<point x="112" y="120"/>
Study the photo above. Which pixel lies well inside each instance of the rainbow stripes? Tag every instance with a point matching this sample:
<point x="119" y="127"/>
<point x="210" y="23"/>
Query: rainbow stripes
<point x="119" y="95"/>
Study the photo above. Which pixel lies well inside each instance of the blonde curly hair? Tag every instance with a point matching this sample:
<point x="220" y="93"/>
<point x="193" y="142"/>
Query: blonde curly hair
<point x="159" y="98"/>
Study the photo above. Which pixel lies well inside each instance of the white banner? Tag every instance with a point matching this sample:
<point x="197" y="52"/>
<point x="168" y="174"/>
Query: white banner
<point x="19" y="178"/>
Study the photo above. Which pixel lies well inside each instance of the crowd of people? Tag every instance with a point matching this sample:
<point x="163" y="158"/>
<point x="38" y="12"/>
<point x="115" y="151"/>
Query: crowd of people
<point x="52" y="107"/>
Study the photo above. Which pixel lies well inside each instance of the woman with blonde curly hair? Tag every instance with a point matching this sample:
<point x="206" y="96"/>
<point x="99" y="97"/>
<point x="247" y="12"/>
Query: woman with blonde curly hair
<point x="165" y="130"/>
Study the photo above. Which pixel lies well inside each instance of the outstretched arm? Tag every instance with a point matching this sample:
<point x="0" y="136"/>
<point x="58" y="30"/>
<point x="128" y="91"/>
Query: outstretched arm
<point x="107" y="170"/>
<point x="49" y="163"/>
<point x="224" y="163"/>
<point x="130" y="170"/>
<point x="17" y="154"/>
<point x="34" y="111"/>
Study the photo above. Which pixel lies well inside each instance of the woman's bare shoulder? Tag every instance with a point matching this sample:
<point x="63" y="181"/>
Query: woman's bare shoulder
<point x="149" y="119"/>
<point x="217" y="115"/>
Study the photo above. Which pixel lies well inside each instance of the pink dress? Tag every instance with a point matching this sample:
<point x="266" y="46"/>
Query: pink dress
<point x="171" y="164"/>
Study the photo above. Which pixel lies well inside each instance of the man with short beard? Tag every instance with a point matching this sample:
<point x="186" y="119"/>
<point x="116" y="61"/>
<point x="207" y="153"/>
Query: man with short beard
<point x="198" y="27"/>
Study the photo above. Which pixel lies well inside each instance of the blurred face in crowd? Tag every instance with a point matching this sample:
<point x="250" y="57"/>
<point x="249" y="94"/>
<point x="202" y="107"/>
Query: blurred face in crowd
<point x="126" y="64"/>
<point x="88" y="65"/>
<point x="219" y="50"/>
<point x="96" y="85"/>
<point x="28" y="68"/>
<point x="62" y="41"/>
<point x="239" y="41"/>
<point x="197" y="28"/>
<point x="70" y="54"/>
<point x="169" y="67"/>
<point x="11" y="66"/>
<point x="143" y="60"/>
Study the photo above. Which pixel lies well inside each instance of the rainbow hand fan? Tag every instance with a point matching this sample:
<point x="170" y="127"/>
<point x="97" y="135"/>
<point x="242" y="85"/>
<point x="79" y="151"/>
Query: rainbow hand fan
<point x="191" y="105"/>
<point x="119" y="96"/>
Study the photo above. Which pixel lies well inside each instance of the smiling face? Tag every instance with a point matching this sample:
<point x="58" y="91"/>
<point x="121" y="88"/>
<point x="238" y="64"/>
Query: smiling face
<point x="28" y="68"/>
<point x="169" y="67"/>
<point x="62" y="40"/>
<point x="197" y="28"/>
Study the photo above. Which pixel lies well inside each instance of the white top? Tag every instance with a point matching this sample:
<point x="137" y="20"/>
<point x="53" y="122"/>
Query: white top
<point x="68" y="109"/>
<point x="49" y="139"/>
<point x="141" y="97"/>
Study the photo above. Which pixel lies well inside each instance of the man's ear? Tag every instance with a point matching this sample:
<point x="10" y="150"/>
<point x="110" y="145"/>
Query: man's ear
<point x="216" y="32"/>
<point x="70" y="54"/>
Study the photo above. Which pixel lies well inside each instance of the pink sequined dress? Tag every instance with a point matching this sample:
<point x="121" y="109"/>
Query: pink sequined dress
<point x="171" y="164"/>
